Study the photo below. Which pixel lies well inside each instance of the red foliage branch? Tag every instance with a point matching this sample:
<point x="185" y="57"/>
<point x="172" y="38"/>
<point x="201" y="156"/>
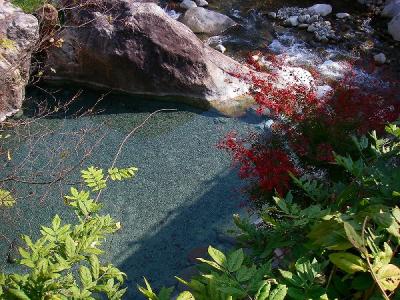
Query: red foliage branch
<point x="313" y="127"/>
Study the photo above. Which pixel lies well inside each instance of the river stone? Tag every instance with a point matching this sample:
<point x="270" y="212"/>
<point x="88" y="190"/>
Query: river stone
<point x="187" y="4"/>
<point x="292" y="21"/>
<point x="19" y="33"/>
<point x="394" y="28"/>
<point x="138" y="49"/>
<point x="380" y="58"/>
<point x="321" y="9"/>
<point x="201" y="20"/>
<point x="391" y="9"/>
<point x="220" y="48"/>
<point x="201" y="3"/>
<point x="342" y="15"/>
<point x="289" y="76"/>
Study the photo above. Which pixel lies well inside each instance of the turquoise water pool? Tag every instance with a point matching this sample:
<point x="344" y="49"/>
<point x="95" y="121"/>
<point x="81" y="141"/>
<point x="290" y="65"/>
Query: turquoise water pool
<point x="184" y="194"/>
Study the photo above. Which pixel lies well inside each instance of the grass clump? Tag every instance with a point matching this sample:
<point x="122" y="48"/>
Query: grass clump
<point x="29" y="6"/>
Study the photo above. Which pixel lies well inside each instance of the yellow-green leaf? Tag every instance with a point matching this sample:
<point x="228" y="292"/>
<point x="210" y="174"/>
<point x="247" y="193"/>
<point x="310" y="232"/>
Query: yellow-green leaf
<point x="389" y="277"/>
<point x="185" y="296"/>
<point x="217" y="256"/>
<point x="348" y="262"/>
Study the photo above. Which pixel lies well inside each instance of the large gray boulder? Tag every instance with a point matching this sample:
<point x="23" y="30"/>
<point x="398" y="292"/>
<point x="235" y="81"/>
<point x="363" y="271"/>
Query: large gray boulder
<point x="391" y="9"/>
<point x="137" y="48"/>
<point x="19" y="33"/>
<point x="394" y="27"/>
<point x="201" y="20"/>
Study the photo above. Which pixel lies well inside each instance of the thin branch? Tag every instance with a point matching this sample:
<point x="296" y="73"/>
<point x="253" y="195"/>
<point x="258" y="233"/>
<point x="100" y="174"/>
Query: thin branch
<point x="121" y="146"/>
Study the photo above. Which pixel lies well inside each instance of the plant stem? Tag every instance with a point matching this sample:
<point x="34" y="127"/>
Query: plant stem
<point x="369" y="263"/>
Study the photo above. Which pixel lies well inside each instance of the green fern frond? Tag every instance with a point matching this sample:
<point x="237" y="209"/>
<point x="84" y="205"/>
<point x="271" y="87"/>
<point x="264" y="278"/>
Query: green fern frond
<point x="6" y="199"/>
<point x="121" y="174"/>
<point x="94" y="178"/>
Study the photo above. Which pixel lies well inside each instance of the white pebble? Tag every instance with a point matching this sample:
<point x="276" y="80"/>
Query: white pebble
<point x="220" y="48"/>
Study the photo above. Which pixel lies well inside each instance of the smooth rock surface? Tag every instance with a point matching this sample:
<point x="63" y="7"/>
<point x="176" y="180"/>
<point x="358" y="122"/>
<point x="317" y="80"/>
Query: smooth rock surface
<point x="187" y="4"/>
<point x="391" y="9"/>
<point x="220" y="48"/>
<point x="294" y="76"/>
<point x="342" y="15"/>
<point x="201" y="20"/>
<point x="321" y="9"/>
<point x="19" y="33"/>
<point x="380" y="58"/>
<point x="143" y="51"/>
<point x="201" y="3"/>
<point x="293" y="21"/>
<point x="394" y="28"/>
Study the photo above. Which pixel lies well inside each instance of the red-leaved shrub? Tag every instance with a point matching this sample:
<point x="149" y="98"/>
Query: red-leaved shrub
<point x="307" y="126"/>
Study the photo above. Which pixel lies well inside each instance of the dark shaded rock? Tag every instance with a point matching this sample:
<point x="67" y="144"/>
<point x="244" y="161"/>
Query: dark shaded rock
<point x="199" y="252"/>
<point x="137" y="48"/>
<point x="48" y="19"/>
<point x="19" y="33"/>
<point x="186" y="274"/>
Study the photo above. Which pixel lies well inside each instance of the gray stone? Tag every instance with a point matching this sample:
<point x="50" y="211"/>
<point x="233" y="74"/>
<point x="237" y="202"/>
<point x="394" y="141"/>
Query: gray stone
<point x="292" y="21"/>
<point x="311" y="28"/>
<point x="272" y="15"/>
<point x="201" y="3"/>
<point x="394" y="28"/>
<point x="303" y="18"/>
<point x="313" y="19"/>
<point x="342" y="15"/>
<point x="187" y="4"/>
<point x="19" y="34"/>
<point x="201" y="20"/>
<point x="321" y="9"/>
<point x="380" y="58"/>
<point x="148" y="53"/>
<point x="391" y="9"/>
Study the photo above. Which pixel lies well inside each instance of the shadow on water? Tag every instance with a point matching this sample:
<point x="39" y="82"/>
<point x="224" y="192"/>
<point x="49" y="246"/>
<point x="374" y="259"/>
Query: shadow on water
<point x="162" y="252"/>
<point x="81" y="100"/>
<point x="183" y="197"/>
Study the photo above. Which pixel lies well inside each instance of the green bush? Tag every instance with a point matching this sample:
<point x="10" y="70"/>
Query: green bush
<point x="324" y="240"/>
<point x="64" y="262"/>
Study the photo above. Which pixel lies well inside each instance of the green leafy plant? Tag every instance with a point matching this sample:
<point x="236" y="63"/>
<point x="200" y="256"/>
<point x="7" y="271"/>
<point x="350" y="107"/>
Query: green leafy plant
<point x="64" y="262"/>
<point x="228" y="277"/>
<point x="353" y="231"/>
<point x="324" y="240"/>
